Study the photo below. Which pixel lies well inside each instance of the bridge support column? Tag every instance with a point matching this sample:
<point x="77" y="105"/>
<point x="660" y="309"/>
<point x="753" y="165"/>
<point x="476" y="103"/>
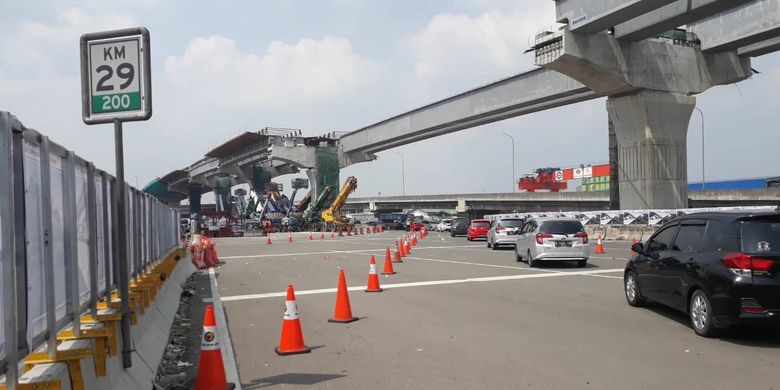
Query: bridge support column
<point x="325" y="172"/>
<point x="651" y="130"/>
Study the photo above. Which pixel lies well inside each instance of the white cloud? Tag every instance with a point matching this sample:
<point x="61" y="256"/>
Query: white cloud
<point x="457" y="49"/>
<point x="310" y="70"/>
<point x="42" y="44"/>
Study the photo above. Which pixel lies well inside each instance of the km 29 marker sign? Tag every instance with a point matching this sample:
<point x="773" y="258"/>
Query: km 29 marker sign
<point x="115" y="76"/>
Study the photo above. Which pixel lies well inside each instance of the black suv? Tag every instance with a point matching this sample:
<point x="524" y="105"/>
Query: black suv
<point x="459" y="226"/>
<point x="721" y="268"/>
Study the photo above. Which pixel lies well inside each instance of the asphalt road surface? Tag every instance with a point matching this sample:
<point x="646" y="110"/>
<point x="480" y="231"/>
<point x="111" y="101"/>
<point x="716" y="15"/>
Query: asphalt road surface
<point x="458" y="315"/>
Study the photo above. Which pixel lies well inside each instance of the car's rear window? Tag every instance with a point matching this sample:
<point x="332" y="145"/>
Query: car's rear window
<point x="561" y="227"/>
<point x="480" y="224"/>
<point x="511" y="223"/>
<point x="761" y="236"/>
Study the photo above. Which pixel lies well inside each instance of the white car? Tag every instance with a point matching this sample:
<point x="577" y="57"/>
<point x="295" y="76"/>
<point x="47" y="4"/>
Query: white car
<point x="503" y="232"/>
<point x="556" y="239"/>
<point x="444" y="226"/>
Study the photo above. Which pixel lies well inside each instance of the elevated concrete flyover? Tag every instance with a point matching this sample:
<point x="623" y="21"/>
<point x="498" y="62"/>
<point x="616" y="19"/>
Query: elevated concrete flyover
<point x="619" y="49"/>
<point x="523" y="201"/>
<point x="549" y="201"/>
<point x="532" y="91"/>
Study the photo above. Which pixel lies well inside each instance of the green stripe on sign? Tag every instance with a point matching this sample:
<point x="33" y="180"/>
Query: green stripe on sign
<point x="116" y="102"/>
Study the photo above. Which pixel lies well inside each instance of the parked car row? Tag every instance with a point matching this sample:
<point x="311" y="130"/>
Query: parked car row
<point x="719" y="268"/>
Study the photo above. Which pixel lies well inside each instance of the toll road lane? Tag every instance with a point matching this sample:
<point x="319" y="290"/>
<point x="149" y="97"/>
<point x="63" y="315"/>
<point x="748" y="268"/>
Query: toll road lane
<point x="459" y="315"/>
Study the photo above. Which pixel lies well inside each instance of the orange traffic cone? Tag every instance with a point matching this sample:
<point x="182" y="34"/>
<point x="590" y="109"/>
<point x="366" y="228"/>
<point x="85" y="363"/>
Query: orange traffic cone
<point x="599" y="246"/>
<point x="388" y="263"/>
<point x="322" y="236"/>
<point x="343" y="311"/>
<point x="401" y="251"/>
<point x="397" y="257"/>
<point x="373" y="278"/>
<point x="311" y="238"/>
<point x="292" y="335"/>
<point x="211" y="371"/>
<point x="408" y="248"/>
<point x="268" y="241"/>
<point x="289" y="237"/>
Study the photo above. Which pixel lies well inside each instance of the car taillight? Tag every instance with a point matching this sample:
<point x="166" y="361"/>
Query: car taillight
<point x="542" y="236"/>
<point x="583" y="236"/>
<point x="743" y="264"/>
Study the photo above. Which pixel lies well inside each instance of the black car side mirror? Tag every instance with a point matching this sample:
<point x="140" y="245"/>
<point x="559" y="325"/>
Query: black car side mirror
<point x="638" y="248"/>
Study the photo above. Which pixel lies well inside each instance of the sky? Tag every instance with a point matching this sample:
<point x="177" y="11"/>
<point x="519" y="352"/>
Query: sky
<point x="222" y="68"/>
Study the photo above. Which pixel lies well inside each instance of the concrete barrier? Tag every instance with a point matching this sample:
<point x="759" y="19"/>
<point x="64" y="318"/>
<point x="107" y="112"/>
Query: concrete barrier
<point x="149" y="336"/>
<point x="621" y="233"/>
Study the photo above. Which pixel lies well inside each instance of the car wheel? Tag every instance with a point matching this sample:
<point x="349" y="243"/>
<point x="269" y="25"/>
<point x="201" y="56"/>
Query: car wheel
<point x="701" y="314"/>
<point x="517" y="256"/>
<point x="631" y="288"/>
<point x="531" y="262"/>
<point x="582" y="263"/>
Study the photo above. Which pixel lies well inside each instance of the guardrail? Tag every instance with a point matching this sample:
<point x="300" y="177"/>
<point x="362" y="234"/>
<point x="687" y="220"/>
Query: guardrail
<point x="58" y="240"/>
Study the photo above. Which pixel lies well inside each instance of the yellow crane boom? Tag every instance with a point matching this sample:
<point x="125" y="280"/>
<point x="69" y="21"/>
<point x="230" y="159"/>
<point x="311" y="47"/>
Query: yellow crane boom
<point x="331" y="214"/>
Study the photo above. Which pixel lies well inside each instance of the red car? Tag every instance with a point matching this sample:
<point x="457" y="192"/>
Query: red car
<point x="478" y="228"/>
<point x="416" y="227"/>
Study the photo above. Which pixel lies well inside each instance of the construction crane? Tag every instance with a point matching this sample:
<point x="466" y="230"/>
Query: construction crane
<point x="332" y="215"/>
<point x="311" y="217"/>
<point x="304" y="202"/>
<point x="296" y="185"/>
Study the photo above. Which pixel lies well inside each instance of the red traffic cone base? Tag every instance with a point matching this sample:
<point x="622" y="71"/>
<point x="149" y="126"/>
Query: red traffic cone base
<point x="343" y="311"/>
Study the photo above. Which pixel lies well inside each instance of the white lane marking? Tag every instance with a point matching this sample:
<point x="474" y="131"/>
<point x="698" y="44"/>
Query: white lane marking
<point x="231" y="370"/>
<point x="607" y="276"/>
<point x="477" y="264"/>
<point x="424" y="283"/>
<point x="323" y="252"/>
<point x="608" y="258"/>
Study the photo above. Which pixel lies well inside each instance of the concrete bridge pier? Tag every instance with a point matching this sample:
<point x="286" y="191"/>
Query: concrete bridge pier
<point x="651" y="130"/>
<point x="650" y="85"/>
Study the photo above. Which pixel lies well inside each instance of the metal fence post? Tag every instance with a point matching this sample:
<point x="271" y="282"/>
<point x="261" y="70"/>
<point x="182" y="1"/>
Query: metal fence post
<point x="20" y="238"/>
<point x="93" y="245"/>
<point x="48" y="250"/>
<point x="70" y="240"/>
<point x="106" y="233"/>
<point x="7" y="251"/>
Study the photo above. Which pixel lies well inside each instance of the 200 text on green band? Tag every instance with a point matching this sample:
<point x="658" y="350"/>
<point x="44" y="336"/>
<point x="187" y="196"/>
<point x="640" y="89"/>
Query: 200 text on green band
<point x="116" y="102"/>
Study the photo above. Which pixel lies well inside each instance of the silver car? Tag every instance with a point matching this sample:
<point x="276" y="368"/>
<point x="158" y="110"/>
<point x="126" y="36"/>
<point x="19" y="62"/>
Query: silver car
<point x="503" y="232"/>
<point x="558" y="239"/>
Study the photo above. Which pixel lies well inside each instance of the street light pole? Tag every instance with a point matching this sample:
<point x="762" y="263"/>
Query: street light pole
<point x="514" y="185"/>
<point x="702" y="146"/>
<point x="403" y="174"/>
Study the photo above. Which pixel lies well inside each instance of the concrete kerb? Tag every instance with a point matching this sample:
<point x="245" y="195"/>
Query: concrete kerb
<point x="226" y="346"/>
<point x="150" y="335"/>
